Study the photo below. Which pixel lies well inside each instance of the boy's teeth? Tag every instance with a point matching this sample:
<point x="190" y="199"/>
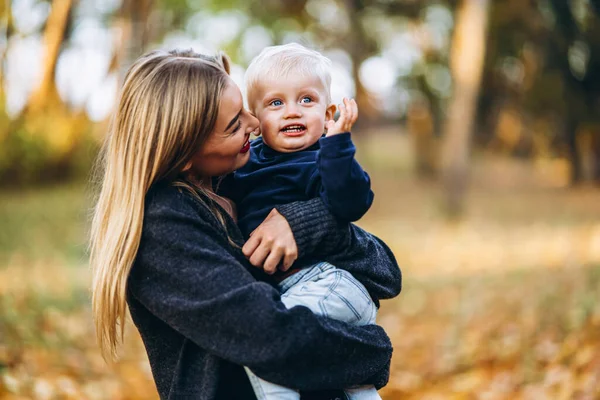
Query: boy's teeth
<point x="295" y="128"/>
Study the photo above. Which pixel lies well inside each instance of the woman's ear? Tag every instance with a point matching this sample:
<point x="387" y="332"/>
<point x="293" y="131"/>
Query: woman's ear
<point x="187" y="167"/>
<point x="330" y="112"/>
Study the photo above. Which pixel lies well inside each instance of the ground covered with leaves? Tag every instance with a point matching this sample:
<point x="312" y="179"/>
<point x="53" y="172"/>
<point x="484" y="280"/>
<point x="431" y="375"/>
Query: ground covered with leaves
<point x="502" y="304"/>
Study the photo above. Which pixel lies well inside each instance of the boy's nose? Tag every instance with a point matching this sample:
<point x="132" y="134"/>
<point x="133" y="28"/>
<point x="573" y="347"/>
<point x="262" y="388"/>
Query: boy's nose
<point x="292" y="111"/>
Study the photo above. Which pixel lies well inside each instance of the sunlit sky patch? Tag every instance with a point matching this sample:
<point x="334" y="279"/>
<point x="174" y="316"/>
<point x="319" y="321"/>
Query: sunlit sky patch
<point x="23" y="71"/>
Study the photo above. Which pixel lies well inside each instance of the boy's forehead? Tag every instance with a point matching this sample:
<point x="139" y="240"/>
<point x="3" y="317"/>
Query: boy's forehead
<point x="291" y="81"/>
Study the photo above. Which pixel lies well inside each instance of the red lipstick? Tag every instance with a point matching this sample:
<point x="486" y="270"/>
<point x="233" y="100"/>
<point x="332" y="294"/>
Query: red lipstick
<point x="246" y="147"/>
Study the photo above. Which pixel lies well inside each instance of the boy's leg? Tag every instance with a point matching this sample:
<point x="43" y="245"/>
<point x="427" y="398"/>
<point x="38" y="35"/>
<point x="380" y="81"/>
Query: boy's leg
<point x="265" y="390"/>
<point x="334" y="293"/>
<point x="329" y="291"/>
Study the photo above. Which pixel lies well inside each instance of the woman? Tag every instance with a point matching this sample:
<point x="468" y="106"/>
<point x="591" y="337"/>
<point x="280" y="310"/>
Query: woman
<point x="166" y="245"/>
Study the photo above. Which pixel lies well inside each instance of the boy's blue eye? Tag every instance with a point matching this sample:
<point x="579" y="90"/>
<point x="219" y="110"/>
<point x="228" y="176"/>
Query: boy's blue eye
<point x="305" y="100"/>
<point x="276" y="103"/>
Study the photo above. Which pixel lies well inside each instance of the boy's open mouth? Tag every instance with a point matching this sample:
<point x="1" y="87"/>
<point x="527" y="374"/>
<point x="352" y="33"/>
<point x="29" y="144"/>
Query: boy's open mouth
<point x="293" y="130"/>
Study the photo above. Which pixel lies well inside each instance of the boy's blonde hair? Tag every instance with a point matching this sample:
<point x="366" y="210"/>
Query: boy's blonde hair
<point x="167" y="109"/>
<point x="286" y="61"/>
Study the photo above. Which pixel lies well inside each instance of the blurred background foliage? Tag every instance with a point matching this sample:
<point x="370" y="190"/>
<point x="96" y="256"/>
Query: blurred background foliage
<point x="479" y="124"/>
<point x="533" y="68"/>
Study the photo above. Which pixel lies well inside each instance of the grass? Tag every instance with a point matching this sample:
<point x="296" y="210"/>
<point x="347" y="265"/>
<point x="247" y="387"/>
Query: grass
<point x="44" y="224"/>
<point x="500" y="305"/>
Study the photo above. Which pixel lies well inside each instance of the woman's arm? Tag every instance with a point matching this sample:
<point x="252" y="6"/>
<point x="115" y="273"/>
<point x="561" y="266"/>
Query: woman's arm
<point x="319" y="234"/>
<point x="185" y="275"/>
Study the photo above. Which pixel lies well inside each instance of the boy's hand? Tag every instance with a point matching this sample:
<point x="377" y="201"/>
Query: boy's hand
<point x="271" y="244"/>
<point x="348" y="116"/>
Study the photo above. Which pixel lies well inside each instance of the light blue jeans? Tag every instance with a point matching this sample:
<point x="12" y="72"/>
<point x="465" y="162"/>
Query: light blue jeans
<point x="334" y="293"/>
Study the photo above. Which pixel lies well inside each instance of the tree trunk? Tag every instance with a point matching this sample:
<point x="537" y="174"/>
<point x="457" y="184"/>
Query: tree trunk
<point x="466" y="63"/>
<point x="421" y="127"/>
<point x="134" y="22"/>
<point x="596" y="157"/>
<point x="54" y="34"/>
<point x="359" y="46"/>
<point x="571" y="126"/>
<point x="6" y="29"/>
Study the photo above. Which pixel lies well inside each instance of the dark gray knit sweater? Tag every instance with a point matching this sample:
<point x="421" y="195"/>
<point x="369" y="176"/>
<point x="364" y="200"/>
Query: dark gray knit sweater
<point x="202" y="313"/>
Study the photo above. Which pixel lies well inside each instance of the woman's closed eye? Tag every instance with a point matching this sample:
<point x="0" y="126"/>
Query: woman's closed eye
<point x="235" y="128"/>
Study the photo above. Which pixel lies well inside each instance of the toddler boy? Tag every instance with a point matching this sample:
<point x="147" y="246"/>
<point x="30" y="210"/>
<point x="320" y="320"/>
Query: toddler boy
<point x="303" y="153"/>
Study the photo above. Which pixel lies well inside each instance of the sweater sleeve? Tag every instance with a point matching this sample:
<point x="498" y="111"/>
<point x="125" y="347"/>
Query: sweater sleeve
<point x="319" y="234"/>
<point x="187" y="277"/>
<point x="342" y="183"/>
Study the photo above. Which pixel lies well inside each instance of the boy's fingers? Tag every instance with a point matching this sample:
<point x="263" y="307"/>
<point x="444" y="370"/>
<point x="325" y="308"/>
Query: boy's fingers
<point x="341" y="122"/>
<point x="351" y="112"/>
<point x="343" y="111"/>
<point x="346" y="103"/>
<point x="350" y="109"/>
<point x="329" y="125"/>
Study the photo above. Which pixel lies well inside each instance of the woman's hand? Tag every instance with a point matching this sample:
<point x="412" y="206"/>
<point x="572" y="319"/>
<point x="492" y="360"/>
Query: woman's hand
<point x="270" y="243"/>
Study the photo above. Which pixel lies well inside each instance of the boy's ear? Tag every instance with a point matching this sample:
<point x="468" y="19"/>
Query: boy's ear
<point x="330" y="112"/>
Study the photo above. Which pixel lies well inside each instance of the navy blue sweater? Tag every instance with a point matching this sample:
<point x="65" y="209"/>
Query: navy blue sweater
<point x="202" y="314"/>
<point x="327" y="170"/>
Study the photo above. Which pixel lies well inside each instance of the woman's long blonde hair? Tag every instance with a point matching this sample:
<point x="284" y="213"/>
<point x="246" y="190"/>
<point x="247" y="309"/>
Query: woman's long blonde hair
<point x="167" y="108"/>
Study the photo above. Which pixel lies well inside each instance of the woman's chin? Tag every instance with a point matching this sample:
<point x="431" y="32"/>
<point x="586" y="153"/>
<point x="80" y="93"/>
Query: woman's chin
<point x="241" y="160"/>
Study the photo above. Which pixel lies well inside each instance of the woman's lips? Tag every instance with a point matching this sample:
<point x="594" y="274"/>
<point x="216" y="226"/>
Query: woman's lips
<point x="246" y="146"/>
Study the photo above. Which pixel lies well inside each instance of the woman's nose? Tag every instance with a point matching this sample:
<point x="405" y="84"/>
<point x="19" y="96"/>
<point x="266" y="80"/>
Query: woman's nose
<point x="252" y="122"/>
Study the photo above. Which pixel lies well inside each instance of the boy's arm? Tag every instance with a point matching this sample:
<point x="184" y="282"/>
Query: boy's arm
<point x="341" y="182"/>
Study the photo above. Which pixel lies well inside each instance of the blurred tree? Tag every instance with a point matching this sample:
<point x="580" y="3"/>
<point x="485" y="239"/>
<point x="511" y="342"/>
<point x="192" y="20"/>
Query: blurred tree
<point x="360" y="46"/>
<point x="39" y="143"/>
<point x="467" y="56"/>
<point x="136" y="32"/>
<point x="543" y="69"/>
<point x="578" y="49"/>
<point x="6" y="29"/>
<point x="350" y="31"/>
<point x="539" y="88"/>
<point x="46" y="94"/>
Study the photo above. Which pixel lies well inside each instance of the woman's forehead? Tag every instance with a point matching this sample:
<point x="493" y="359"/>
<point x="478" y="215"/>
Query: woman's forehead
<point x="230" y="104"/>
<point x="231" y="96"/>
